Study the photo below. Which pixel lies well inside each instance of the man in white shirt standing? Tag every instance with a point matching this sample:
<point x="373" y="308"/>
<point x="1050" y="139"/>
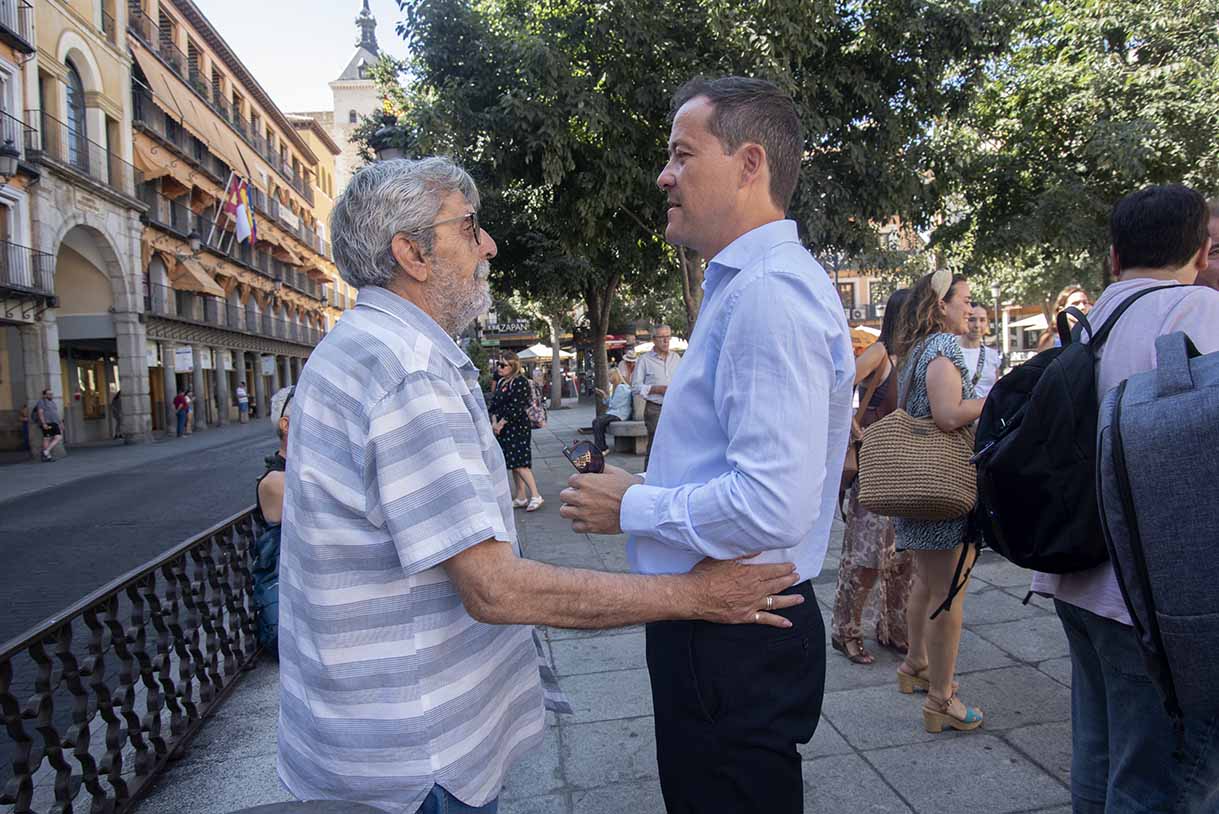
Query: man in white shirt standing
<point x="653" y="373"/>
<point x="982" y="361"/>
<point x="746" y="459"/>
<point x="1124" y="749"/>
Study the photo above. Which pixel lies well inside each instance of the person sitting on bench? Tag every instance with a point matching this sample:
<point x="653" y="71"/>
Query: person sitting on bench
<point x="617" y="408"/>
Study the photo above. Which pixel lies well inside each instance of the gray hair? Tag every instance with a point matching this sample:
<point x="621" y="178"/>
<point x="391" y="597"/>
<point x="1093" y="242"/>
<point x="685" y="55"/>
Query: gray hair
<point x="399" y="196"/>
<point x="278" y="401"/>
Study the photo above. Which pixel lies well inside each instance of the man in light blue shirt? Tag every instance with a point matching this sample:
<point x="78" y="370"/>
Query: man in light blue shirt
<point x="746" y="458"/>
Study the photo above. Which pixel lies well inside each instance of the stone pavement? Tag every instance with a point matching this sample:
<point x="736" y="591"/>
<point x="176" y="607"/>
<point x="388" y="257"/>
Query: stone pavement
<point x="870" y="753"/>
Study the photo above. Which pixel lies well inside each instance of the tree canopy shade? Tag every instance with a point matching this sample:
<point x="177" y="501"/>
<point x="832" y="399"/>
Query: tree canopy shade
<point x="559" y="108"/>
<point x="1094" y="99"/>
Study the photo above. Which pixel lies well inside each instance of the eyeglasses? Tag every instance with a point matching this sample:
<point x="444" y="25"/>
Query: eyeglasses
<point x="470" y="216"/>
<point x="585" y="457"/>
<point x="291" y="392"/>
<point x="502" y="364"/>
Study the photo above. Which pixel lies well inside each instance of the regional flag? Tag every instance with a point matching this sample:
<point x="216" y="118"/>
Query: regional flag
<point x="237" y="206"/>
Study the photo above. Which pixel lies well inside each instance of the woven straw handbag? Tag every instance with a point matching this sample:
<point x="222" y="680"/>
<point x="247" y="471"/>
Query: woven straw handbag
<point x="909" y="467"/>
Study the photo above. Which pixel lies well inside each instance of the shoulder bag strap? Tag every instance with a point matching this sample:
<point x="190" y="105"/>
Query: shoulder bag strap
<point x="981" y="362"/>
<point x="867" y="399"/>
<point x="1099" y="336"/>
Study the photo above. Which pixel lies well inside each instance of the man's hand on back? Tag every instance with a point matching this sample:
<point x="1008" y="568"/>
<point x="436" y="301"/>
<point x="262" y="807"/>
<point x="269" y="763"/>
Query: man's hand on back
<point x="593" y="502"/>
<point x="730" y="592"/>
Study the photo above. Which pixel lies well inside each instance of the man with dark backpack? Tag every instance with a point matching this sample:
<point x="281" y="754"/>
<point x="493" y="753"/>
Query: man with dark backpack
<point x="1126" y="753"/>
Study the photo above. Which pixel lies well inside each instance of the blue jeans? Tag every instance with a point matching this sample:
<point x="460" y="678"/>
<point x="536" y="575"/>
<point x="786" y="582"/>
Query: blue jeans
<point x="1123" y="750"/>
<point x="440" y="801"/>
<point x="181" y="422"/>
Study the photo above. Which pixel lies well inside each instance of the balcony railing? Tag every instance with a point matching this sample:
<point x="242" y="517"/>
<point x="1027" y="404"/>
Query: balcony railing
<point x="65" y="145"/>
<point x="97" y="698"/>
<point x="17" y="25"/>
<point x="143" y="26"/>
<point x="26" y="270"/>
<point x="109" y="28"/>
<point x="16" y="132"/>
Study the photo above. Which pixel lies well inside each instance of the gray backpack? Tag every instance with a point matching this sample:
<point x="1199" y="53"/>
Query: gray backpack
<point x="1157" y="456"/>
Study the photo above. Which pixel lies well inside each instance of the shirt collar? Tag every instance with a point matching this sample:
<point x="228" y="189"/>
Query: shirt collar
<point x="746" y="248"/>
<point x="384" y="300"/>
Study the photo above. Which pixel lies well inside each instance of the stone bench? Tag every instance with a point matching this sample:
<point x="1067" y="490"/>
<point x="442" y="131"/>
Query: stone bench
<point x="629" y="436"/>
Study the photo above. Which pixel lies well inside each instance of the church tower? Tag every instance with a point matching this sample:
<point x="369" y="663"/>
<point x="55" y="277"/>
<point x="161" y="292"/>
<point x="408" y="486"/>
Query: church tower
<point x="355" y="96"/>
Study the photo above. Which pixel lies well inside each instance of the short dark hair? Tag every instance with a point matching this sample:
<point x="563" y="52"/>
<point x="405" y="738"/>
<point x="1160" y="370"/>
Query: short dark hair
<point x="1158" y="227"/>
<point x="757" y="111"/>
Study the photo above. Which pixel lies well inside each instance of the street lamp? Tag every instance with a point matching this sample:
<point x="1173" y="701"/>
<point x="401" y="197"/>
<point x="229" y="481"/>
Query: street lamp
<point x="385" y="140"/>
<point x="194" y="241"/>
<point x="9" y="156"/>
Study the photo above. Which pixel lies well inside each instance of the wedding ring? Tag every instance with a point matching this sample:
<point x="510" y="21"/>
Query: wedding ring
<point x="770" y="603"/>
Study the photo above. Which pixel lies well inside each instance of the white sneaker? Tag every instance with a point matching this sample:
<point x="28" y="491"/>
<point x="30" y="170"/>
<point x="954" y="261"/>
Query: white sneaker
<point x="519" y="503"/>
<point x="534" y="504"/>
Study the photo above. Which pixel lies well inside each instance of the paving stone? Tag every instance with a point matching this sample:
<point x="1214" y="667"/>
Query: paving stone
<point x="826" y="741"/>
<point x="599" y="654"/>
<point x="1031" y="640"/>
<point x="846" y="783"/>
<point x="607" y="752"/>
<point x="195" y="787"/>
<point x="629" y="798"/>
<point x="875" y="717"/>
<point x="995" y="570"/>
<point x="606" y="696"/>
<point x="971" y="773"/>
<point x="1016" y="696"/>
<point x="842" y="674"/>
<point x="550" y="804"/>
<point x="538" y="772"/>
<point x="976" y="653"/>
<point x="996" y="605"/>
<point x="1047" y="745"/>
<point x="1057" y="669"/>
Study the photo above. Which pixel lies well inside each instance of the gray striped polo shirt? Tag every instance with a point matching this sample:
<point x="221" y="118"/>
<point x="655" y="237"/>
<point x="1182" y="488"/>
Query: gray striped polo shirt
<point x="388" y="686"/>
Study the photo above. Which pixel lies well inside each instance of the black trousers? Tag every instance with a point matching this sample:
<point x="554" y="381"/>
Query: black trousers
<point x="731" y="703"/>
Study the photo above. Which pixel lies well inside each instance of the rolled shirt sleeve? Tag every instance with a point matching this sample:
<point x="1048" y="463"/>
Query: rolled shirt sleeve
<point x="774" y="377"/>
<point x="425" y="477"/>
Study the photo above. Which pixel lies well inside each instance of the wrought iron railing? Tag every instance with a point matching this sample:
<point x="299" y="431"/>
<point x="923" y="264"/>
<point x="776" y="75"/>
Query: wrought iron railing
<point x="24" y="269"/>
<point x="67" y="145"/>
<point x="15" y="132"/>
<point x="109" y="28"/>
<point x="142" y="26"/>
<point x="97" y="699"/>
<point x="17" y="24"/>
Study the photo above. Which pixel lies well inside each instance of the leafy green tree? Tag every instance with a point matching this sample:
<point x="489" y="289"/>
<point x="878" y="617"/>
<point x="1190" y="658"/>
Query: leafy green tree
<point x="1095" y="99"/>
<point x="559" y="108"/>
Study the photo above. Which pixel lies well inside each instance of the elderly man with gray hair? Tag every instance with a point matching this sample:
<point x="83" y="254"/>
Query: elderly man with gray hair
<point x="410" y="678"/>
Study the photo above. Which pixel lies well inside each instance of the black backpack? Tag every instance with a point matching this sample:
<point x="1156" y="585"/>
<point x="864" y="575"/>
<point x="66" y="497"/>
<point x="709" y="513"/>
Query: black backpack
<point x="1035" y="449"/>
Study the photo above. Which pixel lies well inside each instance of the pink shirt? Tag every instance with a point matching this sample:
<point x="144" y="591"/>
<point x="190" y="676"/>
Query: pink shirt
<point x="1130" y="349"/>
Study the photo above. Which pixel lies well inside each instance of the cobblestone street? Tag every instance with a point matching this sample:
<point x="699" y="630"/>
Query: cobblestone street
<point x="870" y="753"/>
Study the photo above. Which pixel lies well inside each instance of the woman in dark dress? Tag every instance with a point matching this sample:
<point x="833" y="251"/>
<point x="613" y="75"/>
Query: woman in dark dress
<point x="510" y="402"/>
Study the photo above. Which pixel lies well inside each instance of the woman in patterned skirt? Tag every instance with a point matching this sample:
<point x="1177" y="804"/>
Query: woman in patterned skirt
<point x="868" y="552"/>
<point x="935" y="382"/>
<point x="509" y="407"/>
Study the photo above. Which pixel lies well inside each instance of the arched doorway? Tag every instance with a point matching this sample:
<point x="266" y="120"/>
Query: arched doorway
<point x="85" y="286"/>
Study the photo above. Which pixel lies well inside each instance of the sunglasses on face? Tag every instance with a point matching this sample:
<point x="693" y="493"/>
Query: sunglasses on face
<point x="585" y="457"/>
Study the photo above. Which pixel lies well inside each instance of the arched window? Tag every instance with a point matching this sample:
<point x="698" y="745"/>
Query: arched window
<point x="78" y="133"/>
<point x="353" y="117"/>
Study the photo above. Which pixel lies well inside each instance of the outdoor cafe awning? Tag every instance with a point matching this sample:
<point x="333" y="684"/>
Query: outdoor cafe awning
<point x="189" y="275"/>
<point x="540" y="351"/>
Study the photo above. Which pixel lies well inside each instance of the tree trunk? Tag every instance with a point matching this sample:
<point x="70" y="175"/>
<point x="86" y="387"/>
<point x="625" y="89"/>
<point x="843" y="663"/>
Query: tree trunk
<point x="598" y="301"/>
<point x="556" y="364"/>
<point x="691" y="283"/>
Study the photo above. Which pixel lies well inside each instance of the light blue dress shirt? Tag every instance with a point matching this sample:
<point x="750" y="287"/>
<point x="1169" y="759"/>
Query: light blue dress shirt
<point x="751" y="442"/>
<point x="619" y="403"/>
